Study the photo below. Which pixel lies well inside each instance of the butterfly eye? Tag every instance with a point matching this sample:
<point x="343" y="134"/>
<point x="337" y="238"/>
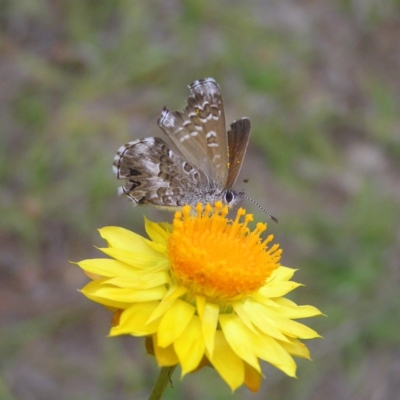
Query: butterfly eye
<point x="229" y="196"/>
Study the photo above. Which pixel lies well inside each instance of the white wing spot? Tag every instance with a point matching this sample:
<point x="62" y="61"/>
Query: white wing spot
<point x="164" y="113"/>
<point x="149" y="140"/>
<point x="194" y="133"/>
<point x="168" y="120"/>
<point x="212" y="144"/>
<point x="183" y="138"/>
<point x="211" y="134"/>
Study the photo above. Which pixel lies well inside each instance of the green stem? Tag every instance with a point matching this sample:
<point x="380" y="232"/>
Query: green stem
<point x="162" y="382"/>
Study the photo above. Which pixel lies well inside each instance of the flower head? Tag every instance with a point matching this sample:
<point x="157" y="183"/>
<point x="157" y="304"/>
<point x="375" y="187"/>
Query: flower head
<point x="204" y="290"/>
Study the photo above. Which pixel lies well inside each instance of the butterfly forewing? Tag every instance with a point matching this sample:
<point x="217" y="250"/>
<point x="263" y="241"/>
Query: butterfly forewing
<point x="199" y="131"/>
<point x="238" y="139"/>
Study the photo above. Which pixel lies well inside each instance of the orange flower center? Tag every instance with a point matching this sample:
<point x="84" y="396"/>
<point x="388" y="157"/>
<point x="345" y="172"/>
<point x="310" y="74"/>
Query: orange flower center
<point x="219" y="258"/>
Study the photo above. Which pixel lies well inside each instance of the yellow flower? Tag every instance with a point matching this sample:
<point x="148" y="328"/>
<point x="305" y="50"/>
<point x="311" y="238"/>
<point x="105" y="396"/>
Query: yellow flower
<point x="204" y="290"/>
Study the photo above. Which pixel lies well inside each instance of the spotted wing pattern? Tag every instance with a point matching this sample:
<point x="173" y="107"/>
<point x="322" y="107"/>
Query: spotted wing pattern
<point x="206" y="162"/>
<point x="155" y="174"/>
<point x="199" y="131"/>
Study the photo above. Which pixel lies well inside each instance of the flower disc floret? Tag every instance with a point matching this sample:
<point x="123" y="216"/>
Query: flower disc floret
<point x="219" y="258"/>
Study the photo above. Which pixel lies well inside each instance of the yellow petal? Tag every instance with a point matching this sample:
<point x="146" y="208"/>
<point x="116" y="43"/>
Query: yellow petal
<point x="297" y="330"/>
<point x="286" y="326"/>
<point x="242" y="314"/>
<point x="90" y="291"/>
<point x="282" y="274"/>
<point x="158" y="232"/>
<point x="189" y="347"/>
<point x="270" y="350"/>
<point x="209" y="322"/>
<point x="252" y="378"/>
<point x="106" y="267"/>
<point x="93" y="277"/>
<point x="277" y="288"/>
<point x="238" y="336"/>
<point x="166" y="357"/>
<point x="141" y="281"/>
<point x="167" y="227"/>
<point x="133" y="320"/>
<point x="200" y="304"/>
<point x="174" y="322"/>
<point x="254" y="313"/>
<point x="292" y="310"/>
<point x="174" y="293"/>
<point x="226" y="362"/>
<point x="296" y="348"/>
<point x="124" y="239"/>
<point x="138" y="260"/>
<point x="128" y="295"/>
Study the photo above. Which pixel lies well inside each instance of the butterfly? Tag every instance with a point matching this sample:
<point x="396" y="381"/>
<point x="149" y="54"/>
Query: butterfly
<point x="206" y="160"/>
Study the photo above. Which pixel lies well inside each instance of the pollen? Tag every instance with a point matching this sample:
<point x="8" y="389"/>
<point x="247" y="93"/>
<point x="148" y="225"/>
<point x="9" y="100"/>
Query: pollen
<point x="219" y="258"/>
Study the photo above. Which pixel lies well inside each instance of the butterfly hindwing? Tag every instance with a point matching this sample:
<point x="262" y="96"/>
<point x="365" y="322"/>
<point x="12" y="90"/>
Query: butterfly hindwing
<point x="154" y="174"/>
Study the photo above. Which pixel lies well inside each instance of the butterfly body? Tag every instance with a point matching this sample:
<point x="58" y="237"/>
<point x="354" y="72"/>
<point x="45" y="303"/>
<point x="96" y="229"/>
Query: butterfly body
<point x="203" y="167"/>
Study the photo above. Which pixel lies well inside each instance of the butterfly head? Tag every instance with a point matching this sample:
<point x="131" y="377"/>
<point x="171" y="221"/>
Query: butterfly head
<point x="231" y="198"/>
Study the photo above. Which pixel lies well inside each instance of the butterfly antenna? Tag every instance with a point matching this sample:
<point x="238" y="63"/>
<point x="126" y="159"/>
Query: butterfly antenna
<point x="261" y="208"/>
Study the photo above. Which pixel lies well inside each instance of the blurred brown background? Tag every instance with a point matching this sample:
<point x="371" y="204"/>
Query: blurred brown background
<point x="320" y="81"/>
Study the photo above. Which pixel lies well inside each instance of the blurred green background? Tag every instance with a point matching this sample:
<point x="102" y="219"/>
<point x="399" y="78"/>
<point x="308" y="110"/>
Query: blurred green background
<point x="320" y="82"/>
